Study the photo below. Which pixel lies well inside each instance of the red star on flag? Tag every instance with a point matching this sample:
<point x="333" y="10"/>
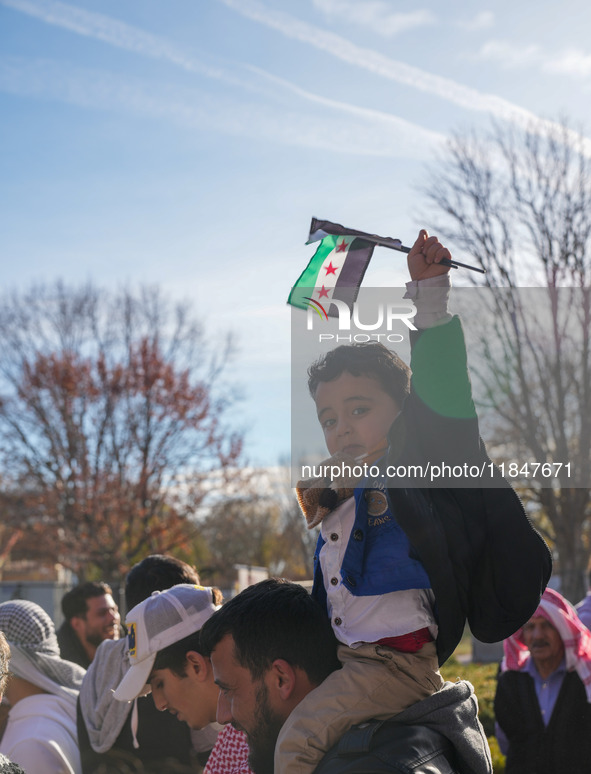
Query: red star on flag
<point x="342" y="247"/>
<point x="330" y="269"/>
<point x="323" y="293"/>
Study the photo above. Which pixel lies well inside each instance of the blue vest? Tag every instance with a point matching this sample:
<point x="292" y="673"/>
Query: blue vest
<point x="378" y="558"/>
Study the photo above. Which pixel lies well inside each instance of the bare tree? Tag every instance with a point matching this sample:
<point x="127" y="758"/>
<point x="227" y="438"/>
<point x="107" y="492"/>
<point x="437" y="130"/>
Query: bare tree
<point x="112" y="415"/>
<point x="261" y="526"/>
<point x="519" y="202"/>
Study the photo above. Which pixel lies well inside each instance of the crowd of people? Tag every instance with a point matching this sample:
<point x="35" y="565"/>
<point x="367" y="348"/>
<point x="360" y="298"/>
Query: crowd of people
<point x="345" y="679"/>
<point x="226" y="681"/>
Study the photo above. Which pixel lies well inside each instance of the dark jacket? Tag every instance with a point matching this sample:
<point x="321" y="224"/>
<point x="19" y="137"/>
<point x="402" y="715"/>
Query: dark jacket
<point x="71" y="649"/>
<point x="438" y="735"/>
<point x="564" y="745"/>
<point x="385" y="746"/>
<point x="484" y="560"/>
<point x="161" y="737"/>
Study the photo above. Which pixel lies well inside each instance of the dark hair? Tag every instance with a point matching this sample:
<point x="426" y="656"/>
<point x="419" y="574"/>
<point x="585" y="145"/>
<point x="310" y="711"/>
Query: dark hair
<point x="275" y="619"/>
<point x="4" y="661"/>
<point x="74" y="601"/>
<point x="174" y="657"/>
<point x="156" y="572"/>
<point x="367" y="359"/>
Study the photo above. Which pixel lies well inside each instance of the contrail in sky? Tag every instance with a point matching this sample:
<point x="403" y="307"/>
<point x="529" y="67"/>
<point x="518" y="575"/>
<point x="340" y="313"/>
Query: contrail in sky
<point x="124" y="36"/>
<point x="392" y="69"/>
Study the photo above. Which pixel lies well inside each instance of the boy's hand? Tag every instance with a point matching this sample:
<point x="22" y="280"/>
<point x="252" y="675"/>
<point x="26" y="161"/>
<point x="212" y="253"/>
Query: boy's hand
<point x="425" y="256"/>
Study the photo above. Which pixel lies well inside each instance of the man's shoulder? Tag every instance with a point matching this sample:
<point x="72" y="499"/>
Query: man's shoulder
<point x="386" y="746"/>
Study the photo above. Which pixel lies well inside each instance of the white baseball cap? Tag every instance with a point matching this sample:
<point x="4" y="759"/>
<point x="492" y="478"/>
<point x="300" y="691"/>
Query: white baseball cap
<point x="159" y="621"/>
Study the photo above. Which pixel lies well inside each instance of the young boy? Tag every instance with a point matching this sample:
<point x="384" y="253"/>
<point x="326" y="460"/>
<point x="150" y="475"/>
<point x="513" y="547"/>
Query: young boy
<point x="401" y="565"/>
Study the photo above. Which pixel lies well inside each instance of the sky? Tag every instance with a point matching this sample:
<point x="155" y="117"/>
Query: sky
<point x="187" y="144"/>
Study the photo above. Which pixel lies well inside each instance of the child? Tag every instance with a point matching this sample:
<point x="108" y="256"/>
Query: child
<point x="399" y="565"/>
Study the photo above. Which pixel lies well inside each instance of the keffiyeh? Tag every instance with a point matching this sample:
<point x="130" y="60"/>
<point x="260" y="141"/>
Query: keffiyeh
<point x="575" y="636"/>
<point x="34" y="651"/>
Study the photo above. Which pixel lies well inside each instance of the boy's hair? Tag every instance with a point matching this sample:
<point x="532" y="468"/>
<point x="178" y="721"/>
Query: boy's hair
<point x="275" y="619"/>
<point x="156" y="572"/>
<point x="74" y="601"/>
<point x="4" y="662"/>
<point x="368" y="359"/>
<point x="174" y="657"/>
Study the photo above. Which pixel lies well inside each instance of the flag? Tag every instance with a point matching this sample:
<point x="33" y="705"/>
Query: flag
<point x="321" y="228"/>
<point x="335" y="271"/>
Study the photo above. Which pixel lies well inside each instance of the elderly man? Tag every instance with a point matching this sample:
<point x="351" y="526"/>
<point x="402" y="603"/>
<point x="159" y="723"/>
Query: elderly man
<point x="543" y="699"/>
<point x="91" y="616"/>
<point x="272" y="645"/>
<point x="42" y="690"/>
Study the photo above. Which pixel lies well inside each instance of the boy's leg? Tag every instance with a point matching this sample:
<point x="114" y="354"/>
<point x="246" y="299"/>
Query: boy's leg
<point x="375" y="682"/>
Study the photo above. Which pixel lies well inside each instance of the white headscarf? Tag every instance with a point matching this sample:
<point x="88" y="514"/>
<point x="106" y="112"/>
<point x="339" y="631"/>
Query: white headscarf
<point x="34" y="650"/>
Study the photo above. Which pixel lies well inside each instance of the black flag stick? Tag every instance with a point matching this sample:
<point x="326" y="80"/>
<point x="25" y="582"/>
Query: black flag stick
<point x="321" y="228"/>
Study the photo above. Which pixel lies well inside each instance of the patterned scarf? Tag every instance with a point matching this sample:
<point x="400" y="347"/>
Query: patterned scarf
<point x="34" y="651"/>
<point x="575" y="636"/>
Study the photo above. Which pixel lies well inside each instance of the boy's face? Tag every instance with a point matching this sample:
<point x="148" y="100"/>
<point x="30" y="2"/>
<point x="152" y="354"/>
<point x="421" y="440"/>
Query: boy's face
<point x="355" y="413"/>
<point x="180" y="696"/>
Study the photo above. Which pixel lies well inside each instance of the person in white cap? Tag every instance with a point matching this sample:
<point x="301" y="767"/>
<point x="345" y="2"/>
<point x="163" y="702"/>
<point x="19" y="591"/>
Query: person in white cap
<point x="42" y="690"/>
<point x="165" y="657"/>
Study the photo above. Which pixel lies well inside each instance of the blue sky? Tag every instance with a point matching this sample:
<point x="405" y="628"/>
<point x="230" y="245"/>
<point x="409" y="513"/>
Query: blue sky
<point x="187" y="144"/>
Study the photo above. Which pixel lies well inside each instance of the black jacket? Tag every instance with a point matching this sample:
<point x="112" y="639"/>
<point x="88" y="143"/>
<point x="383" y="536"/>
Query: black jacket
<point x="438" y="735"/>
<point x="385" y="746"/>
<point x="564" y="745"/>
<point x="485" y="561"/>
<point x="71" y="649"/>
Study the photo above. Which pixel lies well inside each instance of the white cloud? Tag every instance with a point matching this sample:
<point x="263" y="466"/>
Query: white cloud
<point x="108" y="30"/>
<point x="366" y="133"/>
<point x="481" y="21"/>
<point x="509" y="55"/>
<point x="392" y="69"/>
<point x="571" y="62"/>
<point x="376" y="15"/>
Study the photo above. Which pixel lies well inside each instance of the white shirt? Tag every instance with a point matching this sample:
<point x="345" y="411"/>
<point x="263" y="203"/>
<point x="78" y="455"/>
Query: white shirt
<point x="41" y="735"/>
<point x="356" y="620"/>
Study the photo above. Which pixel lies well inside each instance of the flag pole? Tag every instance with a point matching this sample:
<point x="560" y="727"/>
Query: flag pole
<point x="321" y="228"/>
<point x="396" y="244"/>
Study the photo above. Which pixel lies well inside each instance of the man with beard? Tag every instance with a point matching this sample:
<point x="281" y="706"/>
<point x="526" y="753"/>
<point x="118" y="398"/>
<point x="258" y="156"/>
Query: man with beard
<point x="91" y="616"/>
<point x="543" y="698"/>
<point x="272" y="645"/>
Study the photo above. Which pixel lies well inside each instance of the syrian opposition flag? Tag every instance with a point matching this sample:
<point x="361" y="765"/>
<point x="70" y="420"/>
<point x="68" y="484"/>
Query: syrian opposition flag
<point x="336" y="269"/>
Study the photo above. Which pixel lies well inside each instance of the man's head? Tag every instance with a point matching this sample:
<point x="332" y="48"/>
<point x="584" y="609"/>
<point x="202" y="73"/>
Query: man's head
<point x="358" y="390"/>
<point x="92" y="613"/>
<point x="552" y="634"/>
<point x="269" y="647"/>
<point x="156" y="573"/>
<point x="544" y="642"/>
<point x="164" y="652"/>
